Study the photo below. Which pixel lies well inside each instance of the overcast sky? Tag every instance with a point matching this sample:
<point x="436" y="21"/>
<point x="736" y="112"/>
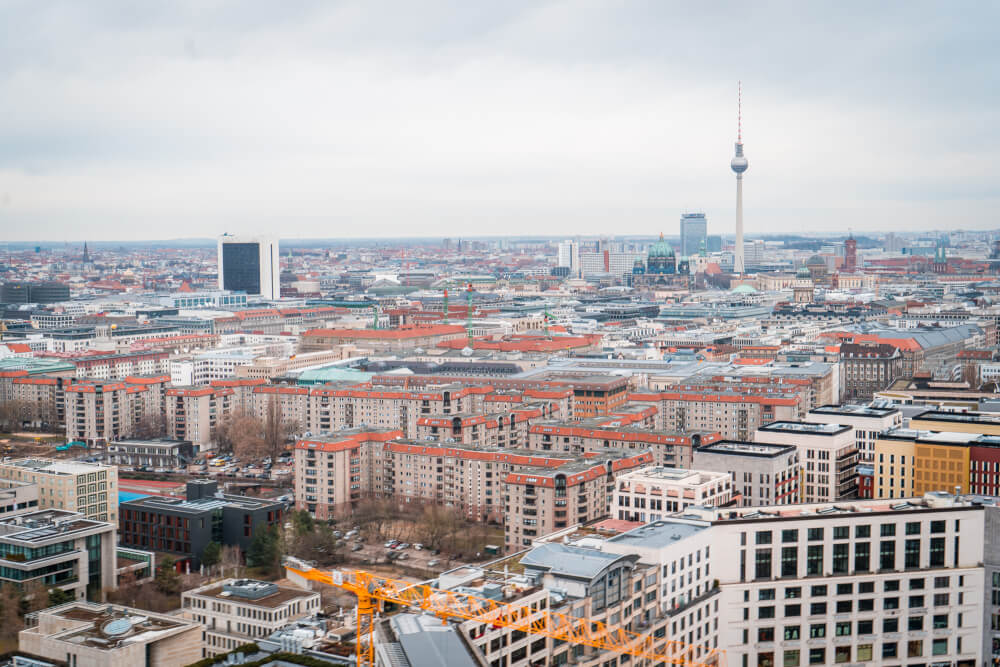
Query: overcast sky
<point x="154" y="120"/>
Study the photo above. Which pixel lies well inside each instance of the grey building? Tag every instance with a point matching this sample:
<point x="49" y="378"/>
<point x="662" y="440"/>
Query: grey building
<point x="694" y="233"/>
<point x="159" y="453"/>
<point x="184" y="528"/>
<point x="763" y="474"/>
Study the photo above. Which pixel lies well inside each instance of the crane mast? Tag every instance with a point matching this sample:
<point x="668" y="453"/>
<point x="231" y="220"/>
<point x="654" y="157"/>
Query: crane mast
<point x="370" y="589"/>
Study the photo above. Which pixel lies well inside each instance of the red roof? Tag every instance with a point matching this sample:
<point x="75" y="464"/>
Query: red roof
<point x="389" y="334"/>
<point x="18" y="348"/>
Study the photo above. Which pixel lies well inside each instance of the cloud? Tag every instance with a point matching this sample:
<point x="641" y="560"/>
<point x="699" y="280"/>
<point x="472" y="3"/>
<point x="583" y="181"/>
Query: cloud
<point x="127" y="120"/>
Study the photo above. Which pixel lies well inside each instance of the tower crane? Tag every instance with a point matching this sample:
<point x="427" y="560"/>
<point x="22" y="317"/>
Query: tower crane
<point x="371" y="589"/>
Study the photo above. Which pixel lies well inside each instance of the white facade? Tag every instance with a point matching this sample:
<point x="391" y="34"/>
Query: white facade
<point x="649" y="494"/>
<point x="867" y="422"/>
<point x="268" y="259"/>
<point x="827" y="453"/>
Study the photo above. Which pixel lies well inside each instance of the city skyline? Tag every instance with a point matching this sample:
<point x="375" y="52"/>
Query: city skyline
<point x="125" y="120"/>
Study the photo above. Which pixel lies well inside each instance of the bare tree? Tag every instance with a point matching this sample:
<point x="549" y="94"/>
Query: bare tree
<point x="436" y="523"/>
<point x="151" y="426"/>
<point x="232" y="560"/>
<point x="238" y="433"/>
<point x="276" y="429"/>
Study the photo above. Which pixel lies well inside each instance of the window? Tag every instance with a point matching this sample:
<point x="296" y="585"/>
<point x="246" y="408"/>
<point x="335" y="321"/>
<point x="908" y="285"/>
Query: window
<point x="817" y="631"/>
<point x="790" y="536"/>
<point x="817" y="591"/>
<point x="866" y="604"/>
<point x="914" y="648"/>
<point x="789" y="561"/>
<point x="765" y="634"/>
<point x="864" y="653"/>
<point x="891" y="585"/>
<point x="890" y="603"/>
<point x="814" y="559"/>
<point x="845" y="606"/>
<point x="762" y="564"/>
<point x="763" y="537"/>
<point x="937" y="526"/>
<point x="887" y="554"/>
<point x="862" y="531"/>
<point x="888" y="530"/>
<point x="793" y="610"/>
<point x="865" y="627"/>
<point x="765" y="612"/>
<point x="841" y="557"/>
<point x="940" y="621"/>
<point x="941" y="600"/>
<point x="943" y="582"/>
<point x="913" y="528"/>
<point x="765" y="594"/>
<point x="866" y="587"/>
<point x="842" y="629"/>
<point x="791" y="658"/>
<point x="889" y="650"/>
<point x="791" y="632"/>
<point x="841" y="532"/>
<point x="845" y="589"/>
<point x="842" y="654"/>
<point x="862" y="557"/>
<point x="916" y="584"/>
<point x="937" y="552"/>
<point x="911" y="557"/>
<point x="815" y="534"/>
<point x="817" y="656"/>
<point x="817" y="608"/>
<point x="793" y="592"/>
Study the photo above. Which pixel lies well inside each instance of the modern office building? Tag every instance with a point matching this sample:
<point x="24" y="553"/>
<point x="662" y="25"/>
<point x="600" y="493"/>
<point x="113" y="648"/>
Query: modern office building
<point x="31" y="292"/>
<point x="828" y="455"/>
<point x="184" y="527"/>
<point x="61" y="549"/>
<point x="763" y="474"/>
<point x="88" y="488"/>
<point x="694" y="233"/>
<point x="868" y="421"/>
<point x="249" y="264"/>
<point x="651" y="493"/>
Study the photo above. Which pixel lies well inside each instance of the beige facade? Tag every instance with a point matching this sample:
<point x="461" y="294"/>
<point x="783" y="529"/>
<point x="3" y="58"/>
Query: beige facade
<point x="650" y="494"/>
<point x="734" y="415"/>
<point x="82" y="634"/>
<point x="193" y="413"/>
<point x="239" y="611"/>
<point x="867" y="421"/>
<point x="828" y="454"/>
<point x="98" y="411"/>
<point x="88" y="488"/>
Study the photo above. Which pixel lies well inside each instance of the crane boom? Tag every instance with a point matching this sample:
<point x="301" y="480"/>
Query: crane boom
<point x="369" y="587"/>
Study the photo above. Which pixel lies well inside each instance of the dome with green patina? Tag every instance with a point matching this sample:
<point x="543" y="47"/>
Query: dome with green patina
<point x="661" y="248"/>
<point x="815" y="260"/>
<point x="803" y="272"/>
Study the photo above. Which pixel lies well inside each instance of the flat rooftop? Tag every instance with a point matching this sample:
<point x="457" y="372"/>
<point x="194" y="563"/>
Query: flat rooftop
<point x="658" y="534"/>
<point x="677" y="475"/>
<point x="806" y="427"/>
<point x="47" y="526"/>
<point x="197" y="506"/>
<point x="276" y="599"/>
<point x="960" y="417"/>
<point x="106" y="627"/>
<point x="854" y="410"/>
<point x="742" y="448"/>
<point x="53" y="467"/>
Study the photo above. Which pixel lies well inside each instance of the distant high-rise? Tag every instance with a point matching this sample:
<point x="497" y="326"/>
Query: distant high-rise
<point x="739" y="164"/>
<point x="694" y="233"/>
<point x="850" y="255"/>
<point x="249" y="264"/>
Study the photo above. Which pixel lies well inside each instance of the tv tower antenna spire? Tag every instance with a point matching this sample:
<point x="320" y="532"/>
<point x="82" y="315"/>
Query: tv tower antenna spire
<point x="739" y="165"/>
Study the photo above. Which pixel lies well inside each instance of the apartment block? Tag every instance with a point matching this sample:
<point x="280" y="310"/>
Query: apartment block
<point x="83" y="634"/>
<point x="828" y="456"/>
<point x="762" y="473"/>
<point x="193" y="413"/>
<point x="910" y="461"/>
<point x="235" y="612"/>
<point x="736" y="416"/>
<point x="868" y="368"/>
<point x="45" y="398"/>
<point x="88" y="488"/>
<point x="649" y="494"/>
<point x="382" y="340"/>
<point x="60" y="549"/>
<point x="484" y="430"/>
<point x="538" y="502"/>
<point x="670" y="449"/>
<point x="868" y="421"/>
<point x="100" y="411"/>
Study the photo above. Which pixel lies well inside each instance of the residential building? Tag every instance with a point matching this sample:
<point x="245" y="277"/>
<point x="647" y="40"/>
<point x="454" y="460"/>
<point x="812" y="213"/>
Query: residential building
<point x="382" y="340"/>
<point x="100" y="411"/>
<point x="828" y="455"/>
<point x="732" y="414"/>
<point x="763" y="474"/>
<point x="84" y="634"/>
<point x="192" y="413"/>
<point x="649" y="494"/>
<point x="184" y="527"/>
<point x="60" y="549"/>
<point x="235" y="612"/>
<point x="978" y="423"/>
<point x="868" y="421"/>
<point x="88" y="488"/>
<point x="250" y="265"/>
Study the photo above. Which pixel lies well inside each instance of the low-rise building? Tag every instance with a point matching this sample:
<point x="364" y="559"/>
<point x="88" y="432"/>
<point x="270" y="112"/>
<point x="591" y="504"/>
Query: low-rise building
<point x="649" y="494"/>
<point x="235" y="612"/>
<point x="161" y="453"/>
<point x="83" y="634"/>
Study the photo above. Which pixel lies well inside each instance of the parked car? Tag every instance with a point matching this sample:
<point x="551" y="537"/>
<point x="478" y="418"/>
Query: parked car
<point x="418" y="546"/>
<point x="433" y="563"/>
<point x="357" y="547"/>
<point x="391" y="544"/>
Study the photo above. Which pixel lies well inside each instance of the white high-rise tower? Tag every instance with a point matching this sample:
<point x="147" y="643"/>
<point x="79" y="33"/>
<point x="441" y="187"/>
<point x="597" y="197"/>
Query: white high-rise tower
<point x="739" y="165"/>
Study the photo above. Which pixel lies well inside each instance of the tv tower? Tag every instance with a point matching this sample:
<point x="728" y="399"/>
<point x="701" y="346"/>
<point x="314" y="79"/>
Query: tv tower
<point x="739" y="165"/>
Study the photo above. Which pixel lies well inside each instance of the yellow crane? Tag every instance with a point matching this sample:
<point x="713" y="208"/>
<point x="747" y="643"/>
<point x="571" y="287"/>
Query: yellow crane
<point x="370" y="589"/>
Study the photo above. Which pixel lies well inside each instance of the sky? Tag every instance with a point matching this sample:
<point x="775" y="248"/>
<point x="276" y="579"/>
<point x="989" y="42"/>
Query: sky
<point x="125" y="120"/>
